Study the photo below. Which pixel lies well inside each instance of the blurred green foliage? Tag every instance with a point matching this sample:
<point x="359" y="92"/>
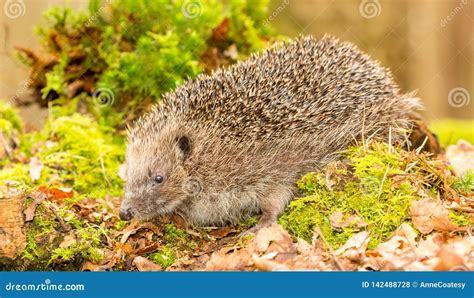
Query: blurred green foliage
<point x="449" y="131"/>
<point x="121" y="56"/>
<point x="74" y="151"/>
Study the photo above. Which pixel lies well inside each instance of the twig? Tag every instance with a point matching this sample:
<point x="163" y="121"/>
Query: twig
<point x="102" y="166"/>
<point x="383" y="181"/>
<point x="331" y="252"/>
<point x="53" y="208"/>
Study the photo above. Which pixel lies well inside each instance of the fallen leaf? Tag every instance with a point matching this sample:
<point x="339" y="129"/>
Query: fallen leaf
<point x="393" y="254"/>
<point x="428" y="215"/>
<point x="355" y="245"/>
<point x="461" y="157"/>
<point x="265" y="264"/>
<point x="429" y="247"/>
<point x="222" y="232"/>
<point x="143" y="264"/>
<point x="36" y="166"/>
<point x="229" y="259"/>
<point x="448" y="259"/>
<point x="338" y="223"/>
<point x="38" y="197"/>
<point x="135" y="226"/>
<point x="68" y="240"/>
<point x="220" y="32"/>
<point x="56" y="193"/>
<point x="408" y="232"/>
<point x="275" y="236"/>
<point x="89" y="266"/>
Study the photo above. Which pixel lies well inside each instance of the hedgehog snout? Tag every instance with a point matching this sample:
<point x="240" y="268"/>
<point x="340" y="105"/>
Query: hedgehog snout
<point x="125" y="214"/>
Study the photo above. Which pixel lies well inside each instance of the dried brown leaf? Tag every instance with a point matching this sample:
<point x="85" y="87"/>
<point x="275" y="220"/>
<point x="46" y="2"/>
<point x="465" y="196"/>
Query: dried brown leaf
<point x="68" y="240"/>
<point x="56" y="193"/>
<point x="275" y="236"/>
<point x="338" y="222"/>
<point x="354" y="246"/>
<point x="37" y="197"/>
<point x="428" y="215"/>
<point x="461" y="157"/>
<point x="143" y="264"/>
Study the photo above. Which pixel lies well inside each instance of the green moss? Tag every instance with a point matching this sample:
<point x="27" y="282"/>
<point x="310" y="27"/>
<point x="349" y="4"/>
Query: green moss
<point x="465" y="183"/>
<point x="460" y="219"/>
<point x="248" y="223"/>
<point x="140" y="49"/>
<point x="75" y="152"/>
<point x="121" y="224"/>
<point x="368" y="190"/>
<point x="449" y="131"/>
<point x="17" y="172"/>
<point x="176" y="243"/>
<point x="164" y="257"/>
<point x="172" y="234"/>
<point x="9" y="118"/>
<point x="85" y="248"/>
<point x="42" y="249"/>
<point x="41" y="238"/>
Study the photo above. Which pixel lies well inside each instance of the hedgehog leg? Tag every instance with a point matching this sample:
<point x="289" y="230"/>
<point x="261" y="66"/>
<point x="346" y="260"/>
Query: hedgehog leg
<point x="272" y="206"/>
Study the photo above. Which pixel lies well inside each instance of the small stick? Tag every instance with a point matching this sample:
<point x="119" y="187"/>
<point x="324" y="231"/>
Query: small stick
<point x="331" y="252"/>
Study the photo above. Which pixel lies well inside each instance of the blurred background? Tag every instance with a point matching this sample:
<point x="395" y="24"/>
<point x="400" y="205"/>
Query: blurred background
<point x="428" y="44"/>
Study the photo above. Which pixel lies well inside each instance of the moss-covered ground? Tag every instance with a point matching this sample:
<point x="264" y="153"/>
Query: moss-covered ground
<point x="372" y="189"/>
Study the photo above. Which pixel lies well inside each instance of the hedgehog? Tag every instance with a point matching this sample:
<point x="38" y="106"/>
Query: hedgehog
<point x="233" y="143"/>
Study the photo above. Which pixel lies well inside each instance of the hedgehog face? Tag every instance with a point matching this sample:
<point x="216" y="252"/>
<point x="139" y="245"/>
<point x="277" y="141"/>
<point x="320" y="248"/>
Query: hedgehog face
<point x="154" y="185"/>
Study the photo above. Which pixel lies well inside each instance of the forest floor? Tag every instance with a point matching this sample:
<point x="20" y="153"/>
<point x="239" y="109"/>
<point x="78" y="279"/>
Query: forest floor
<point x="379" y="208"/>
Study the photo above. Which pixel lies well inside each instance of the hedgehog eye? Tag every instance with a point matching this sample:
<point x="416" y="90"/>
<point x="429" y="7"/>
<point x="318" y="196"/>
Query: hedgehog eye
<point x="159" y="179"/>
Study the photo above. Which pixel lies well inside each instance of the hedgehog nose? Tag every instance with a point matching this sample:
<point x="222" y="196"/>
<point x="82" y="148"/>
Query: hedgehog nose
<point x="125" y="214"/>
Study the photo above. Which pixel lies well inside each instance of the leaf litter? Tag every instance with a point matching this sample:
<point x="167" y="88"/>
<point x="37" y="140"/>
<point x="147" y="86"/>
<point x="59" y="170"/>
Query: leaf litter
<point x="434" y="232"/>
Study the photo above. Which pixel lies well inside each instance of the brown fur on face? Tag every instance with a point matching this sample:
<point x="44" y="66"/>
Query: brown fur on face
<point x="234" y="143"/>
<point x="143" y="195"/>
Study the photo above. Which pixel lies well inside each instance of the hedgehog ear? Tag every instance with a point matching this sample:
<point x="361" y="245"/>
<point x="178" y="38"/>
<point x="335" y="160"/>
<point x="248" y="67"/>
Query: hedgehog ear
<point x="184" y="144"/>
